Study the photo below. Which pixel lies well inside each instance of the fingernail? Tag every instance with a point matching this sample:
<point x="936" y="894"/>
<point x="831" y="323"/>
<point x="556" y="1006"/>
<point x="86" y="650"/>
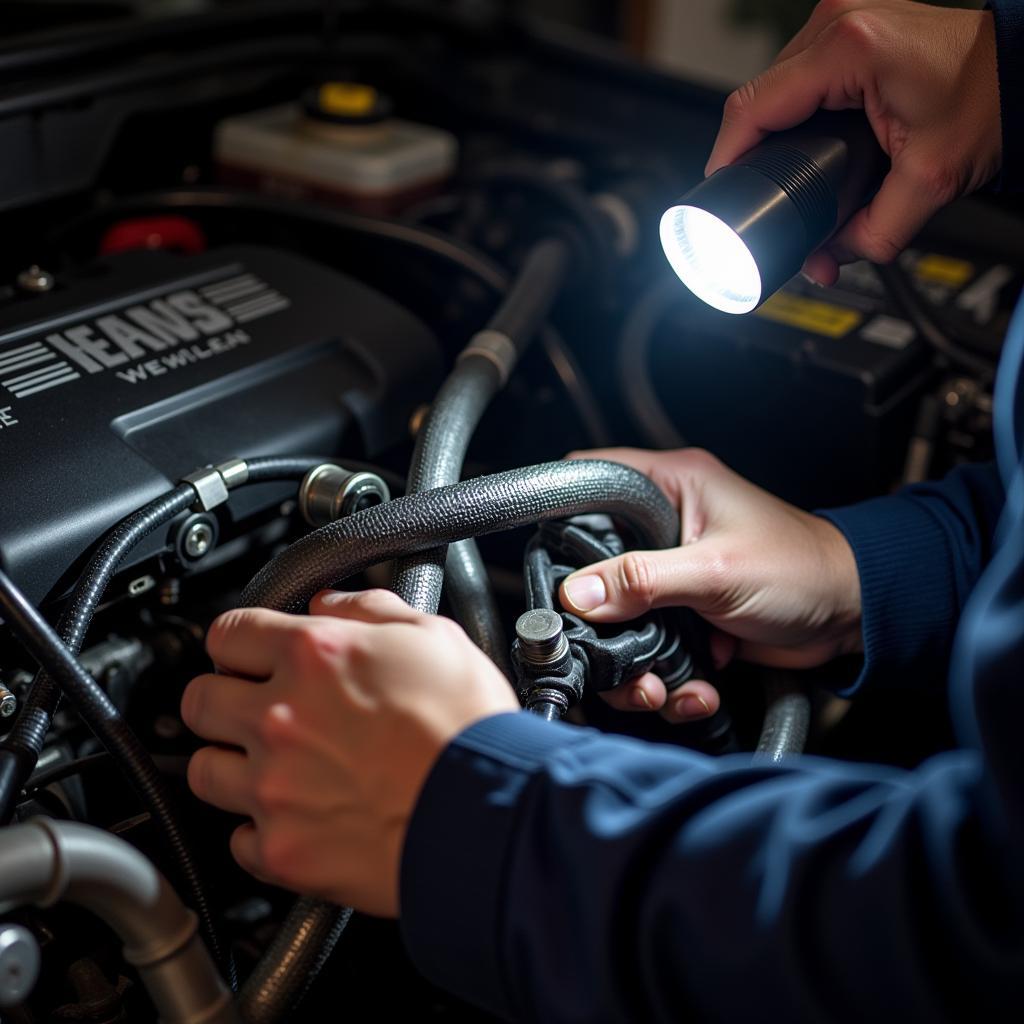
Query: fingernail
<point x="639" y="699"/>
<point x="585" y="593"/>
<point x="691" y="706"/>
<point x="334" y="597"/>
<point x="810" y="280"/>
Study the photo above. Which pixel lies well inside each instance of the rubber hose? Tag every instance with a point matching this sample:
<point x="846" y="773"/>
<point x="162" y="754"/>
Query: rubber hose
<point x="472" y="602"/>
<point x="444" y="437"/>
<point x="916" y="309"/>
<point x="22" y="746"/>
<point x="421" y="522"/>
<point x="293" y="960"/>
<point x="45" y="646"/>
<point x="634" y="363"/>
<point x="787" y="720"/>
<point x="471" y="508"/>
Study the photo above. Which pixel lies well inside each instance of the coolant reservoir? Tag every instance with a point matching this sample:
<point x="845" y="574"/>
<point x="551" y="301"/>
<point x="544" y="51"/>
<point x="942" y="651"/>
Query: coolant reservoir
<point x="341" y="145"/>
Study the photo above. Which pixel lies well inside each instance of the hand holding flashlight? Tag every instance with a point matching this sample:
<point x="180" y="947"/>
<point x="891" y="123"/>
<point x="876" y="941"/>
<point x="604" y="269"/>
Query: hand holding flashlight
<point x="925" y="78"/>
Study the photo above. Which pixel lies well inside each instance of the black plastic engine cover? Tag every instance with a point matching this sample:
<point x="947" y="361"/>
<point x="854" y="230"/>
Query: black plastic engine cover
<point x="115" y="387"/>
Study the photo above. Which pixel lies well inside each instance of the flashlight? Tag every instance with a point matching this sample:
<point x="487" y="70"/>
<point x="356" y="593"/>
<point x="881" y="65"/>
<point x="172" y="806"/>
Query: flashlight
<point x="743" y="232"/>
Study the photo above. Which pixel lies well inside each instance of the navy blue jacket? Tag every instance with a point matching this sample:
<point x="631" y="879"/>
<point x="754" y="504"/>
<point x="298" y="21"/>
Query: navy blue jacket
<point x="557" y="874"/>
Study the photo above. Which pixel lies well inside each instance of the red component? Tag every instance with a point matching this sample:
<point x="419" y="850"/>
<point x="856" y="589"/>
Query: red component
<point x="177" y="233"/>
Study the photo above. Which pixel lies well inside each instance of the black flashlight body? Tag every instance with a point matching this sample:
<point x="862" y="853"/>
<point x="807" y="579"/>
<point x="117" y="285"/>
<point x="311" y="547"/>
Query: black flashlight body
<point x="789" y="193"/>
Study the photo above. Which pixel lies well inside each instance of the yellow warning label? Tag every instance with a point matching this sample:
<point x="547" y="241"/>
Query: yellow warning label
<point x="810" y="315"/>
<point x="936" y="269"/>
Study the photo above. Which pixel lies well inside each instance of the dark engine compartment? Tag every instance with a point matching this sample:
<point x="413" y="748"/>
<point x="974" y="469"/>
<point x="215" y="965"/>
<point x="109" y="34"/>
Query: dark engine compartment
<point x="156" y="320"/>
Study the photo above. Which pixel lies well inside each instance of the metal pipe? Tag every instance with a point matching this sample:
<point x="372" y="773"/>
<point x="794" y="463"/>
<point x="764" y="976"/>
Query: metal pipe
<point x="46" y="862"/>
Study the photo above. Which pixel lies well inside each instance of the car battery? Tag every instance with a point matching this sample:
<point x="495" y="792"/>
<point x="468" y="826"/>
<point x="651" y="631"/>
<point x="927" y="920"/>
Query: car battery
<point x="815" y="395"/>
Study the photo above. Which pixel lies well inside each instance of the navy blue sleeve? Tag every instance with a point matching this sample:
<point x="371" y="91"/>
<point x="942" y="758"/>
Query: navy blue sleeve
<point x="919" y="554"/>
<point x="1009" y="22"/>
<point x="556" y="874"/>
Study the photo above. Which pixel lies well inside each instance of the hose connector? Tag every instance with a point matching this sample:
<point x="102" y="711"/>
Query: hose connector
<point x="329" y="492"/>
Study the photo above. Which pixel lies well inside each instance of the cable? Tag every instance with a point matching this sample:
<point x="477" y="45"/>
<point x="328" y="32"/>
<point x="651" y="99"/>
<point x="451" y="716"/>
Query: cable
<point x="21" y="747"/>
<point x="60" y="772"/>
<point x="40" y="640"/>
<point x="910" y="304"/>
<point x="473" y="604"/>
<point x="634" y="364"/>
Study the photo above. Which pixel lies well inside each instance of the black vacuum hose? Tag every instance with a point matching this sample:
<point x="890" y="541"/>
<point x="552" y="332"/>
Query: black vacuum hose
<point x="413" y="524"/>
<point x="38" y="637"/>
<point x="473" y="604"/>
<point x="443" y="439"/>
<point x="21" y="747"/>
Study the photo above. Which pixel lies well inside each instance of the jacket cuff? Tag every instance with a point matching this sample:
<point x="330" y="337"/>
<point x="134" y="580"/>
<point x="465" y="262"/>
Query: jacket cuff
<point x="1009" y="25"/>
<point x="909" y="604"/>
<point x="454" y="861"/>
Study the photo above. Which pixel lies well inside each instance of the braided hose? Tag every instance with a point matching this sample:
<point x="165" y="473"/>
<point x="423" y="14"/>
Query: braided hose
<point x="410" y="525"/>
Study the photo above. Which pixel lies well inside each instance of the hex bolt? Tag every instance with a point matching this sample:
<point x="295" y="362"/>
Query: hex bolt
<point x="198" y="540"/>
<point x="541" y="637"/>
<point x="8" y="703"/>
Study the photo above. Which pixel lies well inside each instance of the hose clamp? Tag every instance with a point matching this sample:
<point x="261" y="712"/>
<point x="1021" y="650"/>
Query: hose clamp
<point x="496" y="347"/>
<point x="212" y="483"/>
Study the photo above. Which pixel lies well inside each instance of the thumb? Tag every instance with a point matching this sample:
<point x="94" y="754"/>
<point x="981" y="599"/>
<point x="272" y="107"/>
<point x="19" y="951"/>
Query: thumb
<point x="627" y="586"/>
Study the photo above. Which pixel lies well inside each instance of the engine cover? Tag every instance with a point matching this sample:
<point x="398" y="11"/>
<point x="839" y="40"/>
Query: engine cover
<point x="115" y="387"/>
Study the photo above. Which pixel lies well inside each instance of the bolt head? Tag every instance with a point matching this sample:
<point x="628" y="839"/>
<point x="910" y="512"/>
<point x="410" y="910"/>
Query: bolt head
<point x="8" y="705"/>
<point x="539" y="626"/>
<point x="198" y="540"/>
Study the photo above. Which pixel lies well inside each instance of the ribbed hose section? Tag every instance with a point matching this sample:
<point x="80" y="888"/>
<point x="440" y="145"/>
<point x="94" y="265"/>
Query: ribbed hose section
<point x="446" y="432"/>
<point x="418" y="523"/>
<point x="472" y="602"/>
<point x="292" y="961"/>
<point x="471" y="508"/>
<point x="787" y="720"/>
<point x="437" y="460"/>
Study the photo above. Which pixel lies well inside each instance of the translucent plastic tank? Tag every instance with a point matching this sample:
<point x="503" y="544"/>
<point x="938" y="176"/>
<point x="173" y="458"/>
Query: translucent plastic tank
<point x="339" y="144"/>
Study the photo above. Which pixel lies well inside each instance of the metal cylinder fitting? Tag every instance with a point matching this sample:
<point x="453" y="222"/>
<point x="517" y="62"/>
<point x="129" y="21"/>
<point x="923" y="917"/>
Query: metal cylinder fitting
<point x="541" y="637"/>
<point x="8" y="703"/>
<point x="329" y="492"/>
<point x="19" y="964"/>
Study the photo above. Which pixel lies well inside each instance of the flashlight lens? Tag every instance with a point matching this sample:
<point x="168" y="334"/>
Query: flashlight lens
<point x="710" y="259"/>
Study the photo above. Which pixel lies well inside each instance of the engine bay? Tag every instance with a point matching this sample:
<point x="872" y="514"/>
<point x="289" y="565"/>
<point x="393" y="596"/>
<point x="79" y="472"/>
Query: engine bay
<point x="297" y="295"/>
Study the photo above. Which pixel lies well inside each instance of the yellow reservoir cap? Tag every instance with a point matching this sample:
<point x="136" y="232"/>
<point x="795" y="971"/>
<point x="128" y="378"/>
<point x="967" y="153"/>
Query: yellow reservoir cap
<point x="346" y="99"/>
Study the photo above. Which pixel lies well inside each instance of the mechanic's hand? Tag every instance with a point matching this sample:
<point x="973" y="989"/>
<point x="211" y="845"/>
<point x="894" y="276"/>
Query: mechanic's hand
<point x="779" y="585"/>
<point x="329" y="726"/>
<point x="925" y="77"/>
